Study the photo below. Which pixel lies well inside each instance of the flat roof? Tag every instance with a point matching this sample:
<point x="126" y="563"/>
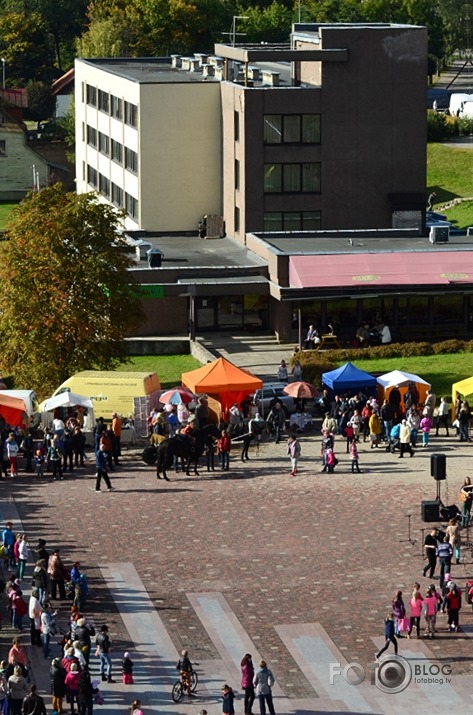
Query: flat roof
<point x="363" y="241"/>
<point x="147" y="70"/>
<point x="188" y="252"/>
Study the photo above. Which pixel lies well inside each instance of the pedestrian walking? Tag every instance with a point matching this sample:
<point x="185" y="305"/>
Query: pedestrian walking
<point x="103" y="651"/>
<point x="354" y="457"/>
<point x="430" y="547"/>
<point x="247" y="675"/>
<point x="263" y="682"/>
<point x="57" y="575"/>
<point x="277" y="420"/>
<point x="294" y="451"/>
<point x="453" y="536"/>
<point x="57" y="674"/>
<point x="444" y="553"/>
<point x="430" y="612"/>
<point x="127" y="669"/>
<point x="375" y="429"/>
<point x="101" y="465"/>
<point x="12" y="449"/>
<point x="454" y="604"/>
<point x="415" y="604"/>
<point x="282" y="371"/>
<point x="399" y="612"/>
<point x="8" y="538"/>
<point x="228" y="697"/>
<point x="389" y="635"/>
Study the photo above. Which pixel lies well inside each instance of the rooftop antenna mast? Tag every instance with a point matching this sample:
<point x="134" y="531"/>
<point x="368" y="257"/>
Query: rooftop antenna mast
<point x="233" y="33"/>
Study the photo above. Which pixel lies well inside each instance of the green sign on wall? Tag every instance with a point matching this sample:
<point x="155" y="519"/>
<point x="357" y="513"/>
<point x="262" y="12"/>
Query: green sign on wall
<point x="151" y="291"/>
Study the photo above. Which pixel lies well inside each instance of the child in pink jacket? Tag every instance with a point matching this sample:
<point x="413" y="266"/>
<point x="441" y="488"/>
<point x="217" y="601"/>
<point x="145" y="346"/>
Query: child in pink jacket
<point x="430" y="605"/>
<point x="426" y="426"/>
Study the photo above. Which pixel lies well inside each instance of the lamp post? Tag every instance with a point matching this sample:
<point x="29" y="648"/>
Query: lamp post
<point x="3" y="72"/>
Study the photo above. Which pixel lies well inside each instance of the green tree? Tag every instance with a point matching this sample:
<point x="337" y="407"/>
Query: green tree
<point x="26" y="47"/>
<point x="41" y="102"/>
<point x="265" y="24"/>
<point x="67" y="299"/>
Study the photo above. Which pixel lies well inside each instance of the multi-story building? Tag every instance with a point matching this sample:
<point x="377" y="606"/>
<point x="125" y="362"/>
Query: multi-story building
<point x="302" y="150"/>
<point x="328" y="132"/>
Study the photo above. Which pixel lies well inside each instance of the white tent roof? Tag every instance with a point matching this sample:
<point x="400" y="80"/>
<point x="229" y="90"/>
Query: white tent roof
<point x="66" y="399"/>
<point x="397" y="377"/>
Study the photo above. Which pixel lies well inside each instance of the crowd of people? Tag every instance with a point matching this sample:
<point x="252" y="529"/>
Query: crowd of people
<point x="71" y="680"/>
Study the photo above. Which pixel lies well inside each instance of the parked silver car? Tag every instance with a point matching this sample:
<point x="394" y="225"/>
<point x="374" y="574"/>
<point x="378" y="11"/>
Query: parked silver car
<point x="265" y="398"/>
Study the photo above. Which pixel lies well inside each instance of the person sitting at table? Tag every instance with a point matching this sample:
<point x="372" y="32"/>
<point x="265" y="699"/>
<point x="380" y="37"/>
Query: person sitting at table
<point x="384" y="332"/>
<point x="363" y="334"/>
<point x="312" y="338"/>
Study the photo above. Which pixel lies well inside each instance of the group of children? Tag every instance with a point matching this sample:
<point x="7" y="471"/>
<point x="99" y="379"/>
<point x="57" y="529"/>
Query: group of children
<point x="434" y="602"/>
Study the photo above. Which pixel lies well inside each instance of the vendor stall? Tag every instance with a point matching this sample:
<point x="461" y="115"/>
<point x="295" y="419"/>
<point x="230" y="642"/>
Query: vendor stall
<point x="402" y="380"/>
<point x="349" y="379"/>
<point x="223" y="381"/>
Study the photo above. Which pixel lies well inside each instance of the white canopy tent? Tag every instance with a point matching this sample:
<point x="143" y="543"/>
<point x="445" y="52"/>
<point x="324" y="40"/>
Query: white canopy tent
<point x="67" y="399"/>
<point x="398" y="378"/>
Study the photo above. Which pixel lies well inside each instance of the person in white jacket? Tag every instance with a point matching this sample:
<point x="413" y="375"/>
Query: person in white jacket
<point x="23" y="555"/>
<point x="34" y="612"/>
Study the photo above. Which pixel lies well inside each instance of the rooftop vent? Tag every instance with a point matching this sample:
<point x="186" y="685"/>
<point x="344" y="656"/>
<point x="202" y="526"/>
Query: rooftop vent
<point x="439" y="234"/>
<point x="176" y="61"/>
<point x="270" y="78"/>
<point x="208" y="70"/>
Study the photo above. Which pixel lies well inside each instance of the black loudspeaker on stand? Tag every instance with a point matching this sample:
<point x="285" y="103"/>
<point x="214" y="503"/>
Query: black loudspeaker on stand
<point x="438" y="467"/>
<point x="430" y="510"/>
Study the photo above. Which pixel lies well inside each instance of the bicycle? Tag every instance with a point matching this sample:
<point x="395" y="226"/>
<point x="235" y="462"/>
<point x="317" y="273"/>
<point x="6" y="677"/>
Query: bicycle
<point x="179" y="687"/>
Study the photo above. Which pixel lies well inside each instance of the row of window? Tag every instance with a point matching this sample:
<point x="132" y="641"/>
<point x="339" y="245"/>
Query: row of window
<point x="114" y="106"/>
<point x="287" y="220"/>
<point x="286" y="128"/>
<point x="292" y="178"/>
<point x="112" y="192"/>
<point x="113" y="149"/>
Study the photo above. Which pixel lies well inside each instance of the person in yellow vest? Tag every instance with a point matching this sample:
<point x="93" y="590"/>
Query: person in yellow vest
<point x="117" y="433"/>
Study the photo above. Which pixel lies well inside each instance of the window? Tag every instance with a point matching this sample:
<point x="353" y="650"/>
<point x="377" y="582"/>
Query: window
<point x="237" y="218"/>
<point x="103" y="144"/>
<point x="91" y="136"/>
<point x="237" y="174"/>
<point x="115" y="107"/>
<point x="117" y="195"/>
<point x="91" y="96"/>
<point x="131" y="114"/>
<point x="131" y="160"/>
<point x="117" y="152"/>
<point x="292" y="178"/>
<point x="104" y="185"/>
<point x="292" y="221"/>
<point x="91" y="176"/>
<point x="236" y="126"/>
<point x="292" y="129"/>
<point x="131" y="205"/>
<point x="104" y="101"/>
<point x="3" y="147"/>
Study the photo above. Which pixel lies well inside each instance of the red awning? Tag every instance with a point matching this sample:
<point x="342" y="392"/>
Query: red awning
<point x="382" y="269"/>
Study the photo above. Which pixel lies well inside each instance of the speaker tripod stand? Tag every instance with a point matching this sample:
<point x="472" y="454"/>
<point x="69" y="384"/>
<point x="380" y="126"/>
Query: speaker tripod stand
<point x="409" y="539"/>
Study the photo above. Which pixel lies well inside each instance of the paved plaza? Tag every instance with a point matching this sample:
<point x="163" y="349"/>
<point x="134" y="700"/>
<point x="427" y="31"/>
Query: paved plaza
<point x="298" y="570"/>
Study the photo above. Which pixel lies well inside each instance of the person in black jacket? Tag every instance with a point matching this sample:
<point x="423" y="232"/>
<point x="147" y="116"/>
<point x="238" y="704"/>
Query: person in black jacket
<point x="85" y="693"/>
<point x="228" y="697"/>
<point x="33" y="704"/>
<point x="83" y="634"/>
<point x="389" y="634"/>
<point x="78" y="442"/>
<point x="58" y="684"/>
<point x="104" y="645"/>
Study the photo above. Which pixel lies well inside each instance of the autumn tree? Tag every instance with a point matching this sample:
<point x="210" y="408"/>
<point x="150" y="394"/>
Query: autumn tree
<point x="67" y="299"/>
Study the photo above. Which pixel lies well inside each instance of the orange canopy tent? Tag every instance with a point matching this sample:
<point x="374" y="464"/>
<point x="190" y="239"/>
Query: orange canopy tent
<point x="223" y="380"/>
<point x="12" y="409"/>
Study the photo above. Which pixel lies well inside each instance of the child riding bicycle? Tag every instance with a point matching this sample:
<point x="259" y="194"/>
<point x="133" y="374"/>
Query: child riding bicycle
<point x="184" y="666"/>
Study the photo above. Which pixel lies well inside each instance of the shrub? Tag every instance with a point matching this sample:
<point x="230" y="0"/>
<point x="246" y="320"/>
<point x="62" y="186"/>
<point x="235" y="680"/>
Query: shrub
<point x="437" y="127"/>
<point x="465" y="126"/>
<point x="315" y="364"/>
<point x="449" y="346"/>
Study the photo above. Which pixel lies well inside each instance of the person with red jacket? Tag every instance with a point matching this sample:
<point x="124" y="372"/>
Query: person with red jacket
<point x="224" y="446"/>
<point x="454" y="603"/>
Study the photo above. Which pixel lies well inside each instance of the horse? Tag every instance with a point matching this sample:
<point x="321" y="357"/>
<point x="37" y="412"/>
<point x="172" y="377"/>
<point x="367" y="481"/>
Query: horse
<point x="188" y="448"/>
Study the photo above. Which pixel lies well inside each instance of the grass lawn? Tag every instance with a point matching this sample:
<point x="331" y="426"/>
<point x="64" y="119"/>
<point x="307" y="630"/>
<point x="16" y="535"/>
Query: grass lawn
<point x="450" y="175"/>
<point x="440" y="370"/>
<point x="6" y="207"/>
<point x="167" y="367"/>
